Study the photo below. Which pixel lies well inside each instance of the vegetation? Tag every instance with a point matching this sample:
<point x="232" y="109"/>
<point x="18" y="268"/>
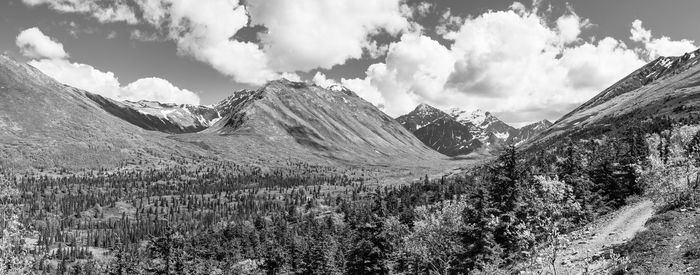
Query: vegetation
<point x="227" y="218"/>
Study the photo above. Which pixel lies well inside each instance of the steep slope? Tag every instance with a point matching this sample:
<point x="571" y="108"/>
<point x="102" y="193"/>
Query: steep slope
<point x="46" y="124"/>
<point x="666" y="87"/>
<point x="163" y="117"/>
<point x="297" y="119"/>
<point x="448" y="137"/>
<point x="486" y="127"/>
<point x="458" y="132"/>
<point x="420" y="117"/>
<point x="530" y="131"/>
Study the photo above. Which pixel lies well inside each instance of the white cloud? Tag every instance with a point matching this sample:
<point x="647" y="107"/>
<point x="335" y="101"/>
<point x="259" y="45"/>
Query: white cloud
<point x="88" y="78"/>
<point x="307" y="34"/>
<point x="664" y="46"/>
<point x="104" y="11"/>
<point x="300" y="35"/>
<point x="51" y="60"/>
<point x="416" y="68"/>
<point x="158" y="89"/>
<point x="35" y="44"/>
<point x="321" y="80"/>
<point x="204" y="31"/>
<point x="507" y="62"/>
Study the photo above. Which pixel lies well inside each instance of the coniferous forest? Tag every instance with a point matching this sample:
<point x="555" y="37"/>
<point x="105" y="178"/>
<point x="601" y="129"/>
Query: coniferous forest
<point x="226" y="218"/>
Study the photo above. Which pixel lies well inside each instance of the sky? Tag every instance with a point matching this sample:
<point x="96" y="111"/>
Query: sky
<point x="522" y="61"/>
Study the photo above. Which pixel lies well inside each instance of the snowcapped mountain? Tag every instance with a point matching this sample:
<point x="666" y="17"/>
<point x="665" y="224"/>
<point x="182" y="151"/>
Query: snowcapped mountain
<point x="420" y="117"/>
<point x="186" y="115"/>
<point x="163" y="117"/>
<point x="457" y="131"/>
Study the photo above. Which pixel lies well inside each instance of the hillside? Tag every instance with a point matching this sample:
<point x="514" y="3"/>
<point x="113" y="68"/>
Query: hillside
<point x="46" y="124"/>
<point x="666" y="87"/>
<point x="295" y="119"/>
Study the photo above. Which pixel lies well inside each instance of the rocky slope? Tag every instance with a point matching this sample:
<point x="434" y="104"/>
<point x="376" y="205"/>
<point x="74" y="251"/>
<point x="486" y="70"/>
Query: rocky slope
<point x="666" y="87"/>
<point x="458" y="132"/>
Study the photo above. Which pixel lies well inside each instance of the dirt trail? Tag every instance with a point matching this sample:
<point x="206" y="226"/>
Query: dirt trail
<point x="588" y="247"/>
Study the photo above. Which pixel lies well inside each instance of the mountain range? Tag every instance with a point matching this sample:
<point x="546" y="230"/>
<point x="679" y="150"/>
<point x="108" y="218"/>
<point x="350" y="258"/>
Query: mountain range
<point x="459" y="132"/>
<point x="47" y="124"/>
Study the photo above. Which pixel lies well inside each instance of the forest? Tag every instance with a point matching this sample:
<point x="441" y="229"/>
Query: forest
<point x="306" y="219"/>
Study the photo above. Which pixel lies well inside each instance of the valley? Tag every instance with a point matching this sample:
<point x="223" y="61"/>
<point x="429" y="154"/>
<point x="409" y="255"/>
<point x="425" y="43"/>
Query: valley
<point x="293" y="177"/>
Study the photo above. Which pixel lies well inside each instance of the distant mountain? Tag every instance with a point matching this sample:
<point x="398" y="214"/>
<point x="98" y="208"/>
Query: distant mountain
<point x="423" y="115"/>
<point x="457" y="132"/>
<point x="448" y="137"/>
<point x="530" y="131"/>
<point x="155" y="116"/>
<point x="666" y="87"/>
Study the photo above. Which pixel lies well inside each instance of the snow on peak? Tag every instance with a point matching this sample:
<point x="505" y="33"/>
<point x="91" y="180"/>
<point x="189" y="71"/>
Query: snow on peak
<point x="476" y="117"/>
<point x="336" y="88"/>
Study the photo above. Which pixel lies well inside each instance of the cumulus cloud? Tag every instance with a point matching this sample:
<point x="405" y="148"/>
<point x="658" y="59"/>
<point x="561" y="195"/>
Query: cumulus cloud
<point x="307" y="34"/>
<point x="35" y="44"/>
<point x="507" y="62"/>
<point x="103" y="11"/>
<point x="664" y="46"/>
<point x="88" y="78"/>
<point x="320" y="79"/>
<point x="204" y="31"/>
<point x="299" y="35"/>
<point x="52" y="61"/>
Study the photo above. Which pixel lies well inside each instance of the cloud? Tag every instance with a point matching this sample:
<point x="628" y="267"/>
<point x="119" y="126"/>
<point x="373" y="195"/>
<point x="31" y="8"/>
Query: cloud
<point x="503" y="61"/>
<point x="664" y="46"/>
<point x="103" y="11"/>
<point x="88" y="78"/>
<point x="321" y="80"/>
<point x="51" y="59"/>
<point x="158" y="89"/>
<point x="35" y="44"/>
<point x="204" y="31"/>
<point x="299" y="35"/>
<point x="308" y="34"/>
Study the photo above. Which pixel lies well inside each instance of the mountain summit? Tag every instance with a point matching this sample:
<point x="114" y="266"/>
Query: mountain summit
<point x="459" y="132"/>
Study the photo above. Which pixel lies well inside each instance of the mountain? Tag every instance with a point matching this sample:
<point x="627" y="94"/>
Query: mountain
<point x="423" y="115"/>
<point x="47" y="124"/>
<point x="530" y="131"/>
<point x="163" y="117"/>
<point x="298" y="119"/>
<point x="448" y="137"/>
<point x="666" y="87"/>
<point x="458" y="132"/>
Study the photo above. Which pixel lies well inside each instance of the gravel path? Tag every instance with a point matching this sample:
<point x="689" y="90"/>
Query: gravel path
<point x="588" y="248"/>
